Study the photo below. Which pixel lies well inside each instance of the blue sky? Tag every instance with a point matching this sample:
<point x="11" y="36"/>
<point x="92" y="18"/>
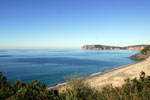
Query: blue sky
<point x="73" y="23"/>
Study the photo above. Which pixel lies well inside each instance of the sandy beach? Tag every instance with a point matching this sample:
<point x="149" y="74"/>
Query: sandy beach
<point x="116" y="77"/>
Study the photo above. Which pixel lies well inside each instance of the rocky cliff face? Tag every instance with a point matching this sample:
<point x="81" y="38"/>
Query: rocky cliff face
<point x="145" y="53"/>
<point x="103" y="47"/>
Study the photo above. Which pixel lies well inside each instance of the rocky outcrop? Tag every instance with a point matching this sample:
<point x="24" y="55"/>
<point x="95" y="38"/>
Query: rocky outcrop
<point x="144" y="54"/>
<point x="103" y="47"/>
<point x="139" y="56"/>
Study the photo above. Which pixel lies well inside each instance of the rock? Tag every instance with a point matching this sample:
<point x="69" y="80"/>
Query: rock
<point x="144" y="54"/>
<point x="139" y="56"/>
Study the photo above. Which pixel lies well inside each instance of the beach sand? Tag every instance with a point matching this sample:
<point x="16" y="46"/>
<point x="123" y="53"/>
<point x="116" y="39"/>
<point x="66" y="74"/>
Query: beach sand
<point x="116" y="77"/>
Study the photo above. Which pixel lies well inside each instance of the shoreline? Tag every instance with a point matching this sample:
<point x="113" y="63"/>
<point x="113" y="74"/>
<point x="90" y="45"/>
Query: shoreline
<point x="95" y="75"/>
<point x="111" y="70"/>
<point x="117" y="75"/>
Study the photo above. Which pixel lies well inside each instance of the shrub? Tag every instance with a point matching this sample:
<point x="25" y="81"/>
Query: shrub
<point x="21" y="91"/>
<point x="79" y="90"/>
<point x="145" y="50"/>
<point x="135" y="89"/>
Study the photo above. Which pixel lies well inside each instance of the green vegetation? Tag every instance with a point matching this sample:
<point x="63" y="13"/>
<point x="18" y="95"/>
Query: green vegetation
<point x="136" y="89"/>
<point x="145" y="50"/>
<point x="22" y="91"/>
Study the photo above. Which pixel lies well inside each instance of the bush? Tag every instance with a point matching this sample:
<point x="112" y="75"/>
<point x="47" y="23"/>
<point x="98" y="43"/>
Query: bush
<point x="21" y="91"/>
<point x="135" y="89"/>
<point x="132" y="90"/>
<point x="145" y="50"/>
<point x="79" y="90"/>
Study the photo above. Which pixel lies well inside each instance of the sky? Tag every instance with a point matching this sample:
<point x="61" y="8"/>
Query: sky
<point x="73" y="23"/>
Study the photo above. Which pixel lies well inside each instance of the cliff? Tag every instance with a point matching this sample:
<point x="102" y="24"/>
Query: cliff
<point x="143" y="54"/>
<point x="103" y="47"/>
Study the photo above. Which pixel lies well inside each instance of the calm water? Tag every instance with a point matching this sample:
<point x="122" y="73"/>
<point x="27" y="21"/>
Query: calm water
<point x="53" y="66"/>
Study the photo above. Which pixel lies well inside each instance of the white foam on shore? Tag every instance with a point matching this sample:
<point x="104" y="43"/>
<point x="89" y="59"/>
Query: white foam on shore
<point x="94" y="74"/>
<point x="58" y="85"/>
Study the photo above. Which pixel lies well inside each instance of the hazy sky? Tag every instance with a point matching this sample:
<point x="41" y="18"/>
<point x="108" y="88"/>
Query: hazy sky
<point x="73" y="23"/>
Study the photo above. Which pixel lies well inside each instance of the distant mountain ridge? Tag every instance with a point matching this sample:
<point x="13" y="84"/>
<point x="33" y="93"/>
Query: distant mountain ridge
<point x="104" y="47"/>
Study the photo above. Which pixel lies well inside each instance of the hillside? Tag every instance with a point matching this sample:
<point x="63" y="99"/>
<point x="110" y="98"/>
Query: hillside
<point x="145" y="53"/>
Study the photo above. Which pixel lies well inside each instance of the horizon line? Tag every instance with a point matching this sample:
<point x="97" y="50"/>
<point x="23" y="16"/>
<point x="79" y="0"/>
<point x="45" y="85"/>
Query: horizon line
<point x="60" y="47"/>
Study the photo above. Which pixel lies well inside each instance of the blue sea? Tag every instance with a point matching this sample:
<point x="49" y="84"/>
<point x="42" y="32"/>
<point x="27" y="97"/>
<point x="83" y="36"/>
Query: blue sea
<point x="55" y="66"/>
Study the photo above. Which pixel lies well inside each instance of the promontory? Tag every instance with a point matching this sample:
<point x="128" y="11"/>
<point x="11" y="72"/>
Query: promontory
<point x="104" y="47"/>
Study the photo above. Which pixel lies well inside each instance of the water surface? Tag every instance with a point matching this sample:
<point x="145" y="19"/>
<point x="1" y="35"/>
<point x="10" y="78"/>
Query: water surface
<point x="54" y="66"/>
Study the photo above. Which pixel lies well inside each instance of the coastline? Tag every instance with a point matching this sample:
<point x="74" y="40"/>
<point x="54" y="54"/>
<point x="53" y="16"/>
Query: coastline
<point x="99" y="79"/>
<point x="116" y="76"/>
<point x="111" y="70"/>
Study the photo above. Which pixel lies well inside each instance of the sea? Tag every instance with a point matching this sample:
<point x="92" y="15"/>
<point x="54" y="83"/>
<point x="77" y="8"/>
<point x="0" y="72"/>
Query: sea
<point x="54" y="66"/>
